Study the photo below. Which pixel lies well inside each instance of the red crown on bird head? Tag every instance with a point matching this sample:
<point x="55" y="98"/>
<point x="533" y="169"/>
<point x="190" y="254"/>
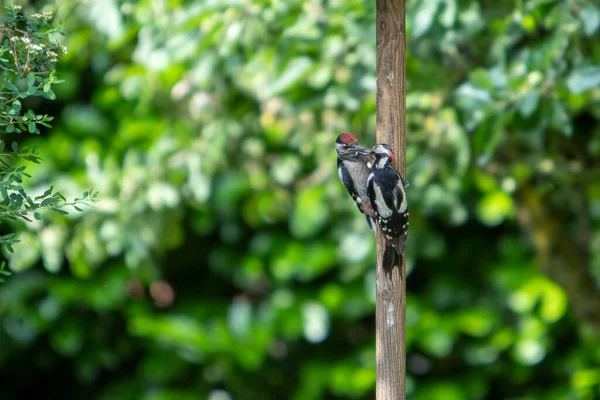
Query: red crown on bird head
<point x="346" y="138"/>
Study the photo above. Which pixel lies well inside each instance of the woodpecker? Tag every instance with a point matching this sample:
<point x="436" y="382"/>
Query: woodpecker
<point x="353" y="164"/>
<point x="387" y="193"/>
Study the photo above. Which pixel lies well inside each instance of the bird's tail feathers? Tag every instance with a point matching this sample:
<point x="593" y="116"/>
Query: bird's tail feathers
<point x="390" y="258"/>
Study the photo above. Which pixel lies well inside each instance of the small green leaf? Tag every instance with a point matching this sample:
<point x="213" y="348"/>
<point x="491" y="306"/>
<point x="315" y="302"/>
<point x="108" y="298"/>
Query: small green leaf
<point x="14" y="146"/>
<point x="50" y="94"/>
<point x="10" y="87"/>
<point x="294" y="72"/>
<point x="424" y="16"/>
<point x="32" y="128"/>
<point x="3" y="271"/>
<point x="590" y="16"/>
<point x="37" y="216"/>
<point x="528" y="103"/>
<point x="10" y="128"/>
<point x="16" y="106"/>
<point x="560" y="119"/>
<point x="584" y="79"/>
<point x="30" y="80"/>
<point x="487" y="138"/>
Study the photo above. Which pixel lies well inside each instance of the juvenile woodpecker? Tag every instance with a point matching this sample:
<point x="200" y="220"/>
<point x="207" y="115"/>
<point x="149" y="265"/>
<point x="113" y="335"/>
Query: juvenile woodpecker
<point x="387" y="193"/>
<point x="353" y="164"/>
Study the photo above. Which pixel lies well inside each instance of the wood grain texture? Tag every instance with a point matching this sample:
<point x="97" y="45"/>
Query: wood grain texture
<point x="391" y="129"/>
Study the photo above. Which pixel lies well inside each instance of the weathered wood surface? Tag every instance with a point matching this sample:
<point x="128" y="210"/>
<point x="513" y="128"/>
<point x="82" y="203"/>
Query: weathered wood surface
<point x="391" y="129"/>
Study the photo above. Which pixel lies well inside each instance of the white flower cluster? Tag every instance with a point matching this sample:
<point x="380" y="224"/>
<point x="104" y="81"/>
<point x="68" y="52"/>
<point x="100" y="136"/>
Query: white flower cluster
<point x="52" y="56"/>
<point x="46" y="15"/>
<point x="17" y="7"/>
<point x="31" y="47"/>
<point x="36" y="49"/>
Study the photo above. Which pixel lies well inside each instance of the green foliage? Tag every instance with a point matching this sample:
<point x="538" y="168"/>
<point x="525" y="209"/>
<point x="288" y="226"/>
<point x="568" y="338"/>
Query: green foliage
<point x="3" y="271"/>
<point x="28" y="55"/>
<point x="226" y="260"/>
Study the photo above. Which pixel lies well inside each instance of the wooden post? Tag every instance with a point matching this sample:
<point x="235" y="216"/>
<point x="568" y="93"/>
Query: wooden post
<point x="391" y="129"/>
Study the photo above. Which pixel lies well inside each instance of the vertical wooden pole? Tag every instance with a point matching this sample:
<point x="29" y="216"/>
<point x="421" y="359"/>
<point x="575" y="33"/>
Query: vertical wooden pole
<point x="391" y="129"/>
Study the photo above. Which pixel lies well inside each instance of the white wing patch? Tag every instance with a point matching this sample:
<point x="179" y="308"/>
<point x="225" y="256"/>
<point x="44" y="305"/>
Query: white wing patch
<point x="382" y="208"/>
<point x="340" y="173"/>
<point x="404" y="204"/>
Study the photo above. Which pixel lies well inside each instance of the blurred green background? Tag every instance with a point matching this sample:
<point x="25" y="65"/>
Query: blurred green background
<point x="225" y="260"/>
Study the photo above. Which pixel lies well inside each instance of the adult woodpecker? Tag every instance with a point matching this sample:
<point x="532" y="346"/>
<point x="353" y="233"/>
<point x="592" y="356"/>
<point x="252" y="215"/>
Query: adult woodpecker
<point x="387" y="193"/>
<point x="353" y="164"/>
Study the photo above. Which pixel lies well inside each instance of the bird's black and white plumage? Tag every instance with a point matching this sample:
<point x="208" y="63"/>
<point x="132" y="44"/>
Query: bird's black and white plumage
<point x="353" y="163"/>
<point x="387" y="193"/>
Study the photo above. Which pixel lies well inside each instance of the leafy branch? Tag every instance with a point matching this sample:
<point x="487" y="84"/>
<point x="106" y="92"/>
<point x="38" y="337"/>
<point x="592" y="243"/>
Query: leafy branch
<point x="29" y="52"/>
<point x="34" y="48"/>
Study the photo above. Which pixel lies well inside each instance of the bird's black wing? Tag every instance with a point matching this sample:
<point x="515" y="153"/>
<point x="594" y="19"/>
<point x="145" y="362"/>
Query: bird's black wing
<point x="400" y="217"/>
<point x="388" y="198"/>
<point x="348" y="183"/>
<point x="346" y="179"/>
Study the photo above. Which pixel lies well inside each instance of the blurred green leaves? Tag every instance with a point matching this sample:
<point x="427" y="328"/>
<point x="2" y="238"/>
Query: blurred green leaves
<point x="583" y="79"/>
<point x="3" y="271"/>
<point x="495" y="207"/>
<point x="310" y="212"/>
